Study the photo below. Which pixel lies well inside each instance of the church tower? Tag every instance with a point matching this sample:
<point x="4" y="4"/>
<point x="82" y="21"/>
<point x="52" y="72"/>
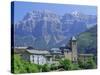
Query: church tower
<point x="74" y="49"/>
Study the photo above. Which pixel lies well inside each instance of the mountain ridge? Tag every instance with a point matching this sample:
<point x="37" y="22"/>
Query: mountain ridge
<point x="46" y="29"/>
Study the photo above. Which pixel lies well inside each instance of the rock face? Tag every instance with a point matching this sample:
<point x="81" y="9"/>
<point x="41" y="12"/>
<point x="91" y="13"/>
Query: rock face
<point x="45" y="29"/>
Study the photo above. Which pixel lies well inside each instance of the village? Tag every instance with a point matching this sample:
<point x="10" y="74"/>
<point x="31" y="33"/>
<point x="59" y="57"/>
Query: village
<point x="52" y="56"/>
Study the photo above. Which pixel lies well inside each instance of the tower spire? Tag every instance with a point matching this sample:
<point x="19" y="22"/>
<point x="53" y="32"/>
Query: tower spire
<point x="74" y="49"/>
<point x="73" y="38"/>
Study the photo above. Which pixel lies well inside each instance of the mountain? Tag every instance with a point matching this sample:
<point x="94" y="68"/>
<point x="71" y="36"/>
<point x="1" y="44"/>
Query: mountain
<point x="87" y="41"/>
<point x="45" y="29"/>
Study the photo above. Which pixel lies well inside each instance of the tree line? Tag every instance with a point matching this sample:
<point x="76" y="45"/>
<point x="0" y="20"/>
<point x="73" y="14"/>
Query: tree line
<point x="21" y="66"/>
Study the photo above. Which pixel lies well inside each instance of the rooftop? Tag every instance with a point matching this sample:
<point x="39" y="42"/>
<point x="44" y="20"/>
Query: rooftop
<point x="55" y="49"/>
<point x="33" y="51"/>
<point x="20" y="47"/>
<point x="85" y="54"/>
<point x="73" y="38"/>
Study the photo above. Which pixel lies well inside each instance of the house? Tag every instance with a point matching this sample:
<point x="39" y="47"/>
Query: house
<point x="55" y="51"/>
<point x="85" y="57"/>
<point x="19" y="50"/>
<point x="37" y="56"/>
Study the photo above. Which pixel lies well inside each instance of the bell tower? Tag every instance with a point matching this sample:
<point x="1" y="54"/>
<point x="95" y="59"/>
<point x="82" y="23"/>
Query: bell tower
<point x="74" y="49"/>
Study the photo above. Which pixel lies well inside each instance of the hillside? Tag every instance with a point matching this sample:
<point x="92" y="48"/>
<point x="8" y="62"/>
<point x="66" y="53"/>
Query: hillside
<point x="87" y="41"/>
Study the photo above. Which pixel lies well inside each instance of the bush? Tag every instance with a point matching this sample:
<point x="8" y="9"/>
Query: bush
<point x="45" y="68"/>
<point x="31" y="68"/>
<point x="75" y="67"/>
<point x="81" y="64"/>
<point x="89" y="64"/>
<point x="66" y="64"/>
<point x="54" y="67"/>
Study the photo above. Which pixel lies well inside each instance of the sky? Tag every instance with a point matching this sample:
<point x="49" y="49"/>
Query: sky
<point x="21" y="8"/>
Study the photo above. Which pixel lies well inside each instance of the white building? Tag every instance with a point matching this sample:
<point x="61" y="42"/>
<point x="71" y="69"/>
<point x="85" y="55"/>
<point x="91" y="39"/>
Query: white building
<point x="37" y="56"/>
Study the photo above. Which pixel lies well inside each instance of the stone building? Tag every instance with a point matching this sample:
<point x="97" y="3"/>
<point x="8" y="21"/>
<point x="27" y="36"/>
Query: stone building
<point x="70" y="51"/>
<point x="37" y="56"/>
<point x="74" y="49"/>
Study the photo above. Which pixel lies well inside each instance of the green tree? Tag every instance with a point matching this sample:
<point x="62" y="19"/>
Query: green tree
<point x="66" y="64"/>
<point x="75" y="67"/>
<point x="18" y="65"/>
<point x="45" y="68"/>
<point x="81" y="64"/>
<point x="21" y="66"/>
<point x="89" y="64"/>
<point x="30" y="67"/>
<point x="54" y="67"/>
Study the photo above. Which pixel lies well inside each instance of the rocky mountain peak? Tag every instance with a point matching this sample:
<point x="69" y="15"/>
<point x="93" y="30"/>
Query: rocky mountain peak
<point x="46" y="29"/>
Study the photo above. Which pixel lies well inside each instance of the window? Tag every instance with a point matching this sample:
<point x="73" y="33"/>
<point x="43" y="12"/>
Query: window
<point x="33" y="58"/>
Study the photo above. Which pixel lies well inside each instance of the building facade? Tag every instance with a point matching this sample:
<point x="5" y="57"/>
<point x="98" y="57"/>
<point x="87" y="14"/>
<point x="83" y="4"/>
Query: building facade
<point x="74" y="49"/>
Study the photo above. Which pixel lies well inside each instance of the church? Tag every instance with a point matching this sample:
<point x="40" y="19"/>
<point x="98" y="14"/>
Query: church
<point x="71" y="52"/>
<point x="53" y="55"/>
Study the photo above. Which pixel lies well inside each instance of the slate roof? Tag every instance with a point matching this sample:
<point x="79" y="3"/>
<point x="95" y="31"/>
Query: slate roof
<point x="20" y="47"/>
<point x="33" y="51"/>
<point x="85" y="54"/>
